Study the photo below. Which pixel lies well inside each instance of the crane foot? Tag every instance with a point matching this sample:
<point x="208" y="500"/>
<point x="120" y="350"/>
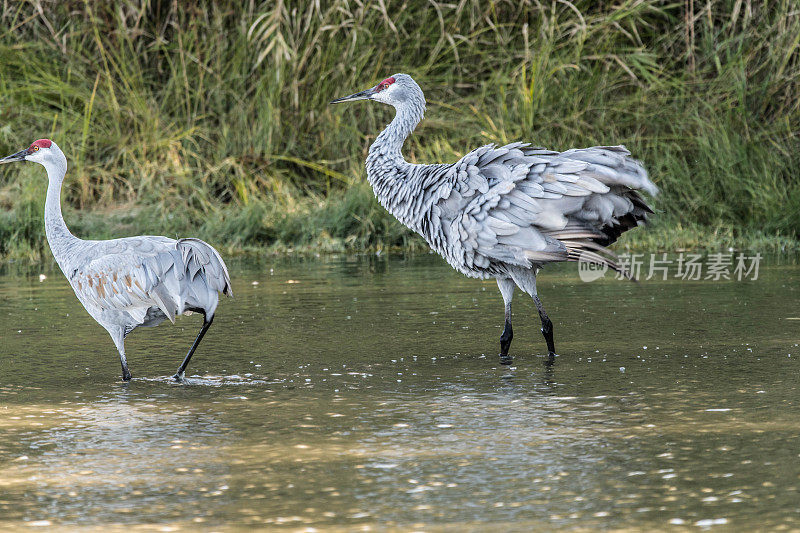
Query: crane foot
<point x="506" y="359"/>
<point x="179" y="377"/>
<point x="126" y="376"/>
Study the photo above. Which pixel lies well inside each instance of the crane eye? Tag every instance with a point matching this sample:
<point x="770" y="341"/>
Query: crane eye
<point x="35" y="148"/>
<point x="383" y="86"/>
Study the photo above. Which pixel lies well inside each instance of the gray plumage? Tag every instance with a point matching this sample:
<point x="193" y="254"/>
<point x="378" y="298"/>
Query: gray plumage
<point x="503" y="212"/>
<point x="131" y="282"/>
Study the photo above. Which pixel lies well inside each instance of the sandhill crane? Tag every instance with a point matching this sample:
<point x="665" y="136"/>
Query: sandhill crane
<point x="503" y="212"/>
<point x="132" y="282"/>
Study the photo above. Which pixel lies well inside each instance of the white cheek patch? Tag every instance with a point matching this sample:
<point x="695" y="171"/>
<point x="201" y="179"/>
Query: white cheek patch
<point x="385" y="95"/>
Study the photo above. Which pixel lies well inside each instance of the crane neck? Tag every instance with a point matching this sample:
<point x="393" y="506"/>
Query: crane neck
<point x="387" y="171"/>
<point x="389" y="143"/>
<point x="58" y="235"/>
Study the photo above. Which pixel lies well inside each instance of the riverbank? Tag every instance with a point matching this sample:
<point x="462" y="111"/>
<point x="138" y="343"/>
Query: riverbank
<point x="350" y="221"/>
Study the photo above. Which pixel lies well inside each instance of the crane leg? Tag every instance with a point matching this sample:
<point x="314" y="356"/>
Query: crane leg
<point x="547" y="327"/>
<point x="119" y="340"/>
<point x="207" y="320"/>
<point x="507" y="290"/>
<point x="126" y="374"/>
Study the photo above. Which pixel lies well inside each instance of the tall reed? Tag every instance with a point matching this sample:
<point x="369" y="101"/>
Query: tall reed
<point x="211" y="118"/>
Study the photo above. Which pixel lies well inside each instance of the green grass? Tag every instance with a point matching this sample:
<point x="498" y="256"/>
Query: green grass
<point x="211" y="119"/>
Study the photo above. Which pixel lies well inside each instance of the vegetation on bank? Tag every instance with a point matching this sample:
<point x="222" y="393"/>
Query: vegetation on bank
<point x="211" y="118"/>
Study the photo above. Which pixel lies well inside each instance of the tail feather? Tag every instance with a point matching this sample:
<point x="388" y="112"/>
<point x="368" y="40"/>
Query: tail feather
<point x="199" y="256"/>
<point x="164" y="302"/>
<point x="603" y="217"/>
<point x="586" y="250"/>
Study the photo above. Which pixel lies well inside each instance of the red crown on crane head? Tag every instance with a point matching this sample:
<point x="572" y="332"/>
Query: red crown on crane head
<point x="42" y="143"/>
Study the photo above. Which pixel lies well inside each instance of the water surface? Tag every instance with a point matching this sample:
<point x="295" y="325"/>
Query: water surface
<point x="364" y="393"/>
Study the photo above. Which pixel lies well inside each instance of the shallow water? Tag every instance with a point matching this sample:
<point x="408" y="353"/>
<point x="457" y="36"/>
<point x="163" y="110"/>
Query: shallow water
<point x="364" y="393"/>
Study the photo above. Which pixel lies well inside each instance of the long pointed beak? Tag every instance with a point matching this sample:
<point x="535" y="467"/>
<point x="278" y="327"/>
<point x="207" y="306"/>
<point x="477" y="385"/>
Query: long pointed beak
<point x="19" y="156"/>
<point x="363" y="95"/>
